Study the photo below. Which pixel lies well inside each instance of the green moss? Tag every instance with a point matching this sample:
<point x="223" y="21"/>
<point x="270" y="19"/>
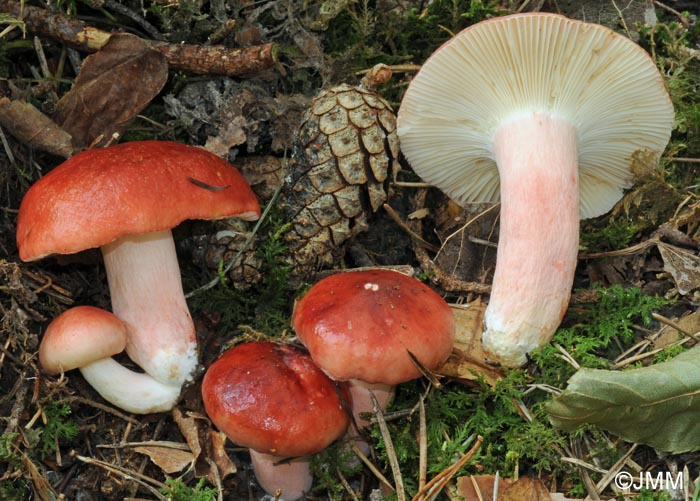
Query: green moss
<point x="58" y="428"/>
<point x="590" y="330"/>
<point x="17" y="489"/>
<point x="178" y="490"/>
<point x="617" y="234"/>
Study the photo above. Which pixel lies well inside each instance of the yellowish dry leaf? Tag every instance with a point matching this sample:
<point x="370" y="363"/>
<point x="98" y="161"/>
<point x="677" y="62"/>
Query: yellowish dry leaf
<point x="468" y="360"/>
<point x="166" y="458"/>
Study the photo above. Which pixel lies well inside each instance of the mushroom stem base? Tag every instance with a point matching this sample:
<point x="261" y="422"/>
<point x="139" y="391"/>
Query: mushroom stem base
<point x="289" y="479"/>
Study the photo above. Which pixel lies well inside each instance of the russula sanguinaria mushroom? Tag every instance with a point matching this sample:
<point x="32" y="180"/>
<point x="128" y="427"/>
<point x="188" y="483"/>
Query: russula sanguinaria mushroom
<point x="274" y="400"/>
<point x="125" y="199"/>
<point x="363" y="327"/>
<point x="550" y="116"/>
<point x="85" y="338"/>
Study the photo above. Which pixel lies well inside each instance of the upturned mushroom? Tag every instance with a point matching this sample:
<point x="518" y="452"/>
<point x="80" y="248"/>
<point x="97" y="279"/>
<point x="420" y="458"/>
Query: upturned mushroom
<point x="367" y="327"/>
<point x="274" y="400"/>
<point x="550" y="116"/>
<point x="125" y="199"/>
<point x="85" y="338"/>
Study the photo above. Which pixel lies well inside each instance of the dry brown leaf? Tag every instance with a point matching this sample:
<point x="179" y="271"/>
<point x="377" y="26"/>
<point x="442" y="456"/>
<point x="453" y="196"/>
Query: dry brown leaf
<point x="189" y="430"/>
<point x="668" y="335"/>
<point x="113" y="86"/>
<point x="30" y="126"/>
<point x="468" y="361"/>
<point x="525" y="488"/>
<point x="168" y="459"/>
<point x="480" y="487"/>
<point x="683" y="266"/>
<point x="217" y="452"/>
<point x="230" y="134"/>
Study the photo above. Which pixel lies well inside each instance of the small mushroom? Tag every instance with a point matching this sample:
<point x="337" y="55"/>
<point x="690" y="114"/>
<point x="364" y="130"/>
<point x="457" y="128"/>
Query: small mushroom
<point x="366" y="327"/>
<point x="273" y="399"/>
<point x="550" y="116"/>
<point x="85" y="338"/>
<point x="125" y="199"/>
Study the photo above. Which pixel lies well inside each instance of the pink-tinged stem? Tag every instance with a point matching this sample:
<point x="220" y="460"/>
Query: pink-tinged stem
<point x="288" y="479"/>
<point x="362" y="404"/>
<point x="537" y="157"/>
<point x="146" y="292"/>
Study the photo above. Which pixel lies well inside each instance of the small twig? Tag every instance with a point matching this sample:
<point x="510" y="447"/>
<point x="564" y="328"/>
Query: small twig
<point x="43" y="64"/>
<point x="439" y="482"/>
<point x="615" y="469"/>
<point x="346" y="485"/>
<point x="683" y="20"/>
<point x="149" y="483"/>
<point x="422" y="446"/>
<point x="371" y="466"/>
<point x="647" y="354"/>
<point x="411" y="184"/>
<point x="148" y="443"/>
<point x="207" y="59"/>
<point x="395" y="68"/>
<point x="126" y="12"/>
<point x="567" y="357"/>
<point x="390" y="452"/>
<point x="583" y="464"/>
<point x="106" y="408"/>
<point x="47" y="282"/>
<point x="467" y="224"/>
<point x="684" y="159"/>
<point x="671" y="323"/>
<point x="633" y="249"/>
<point x="415" y="236"/>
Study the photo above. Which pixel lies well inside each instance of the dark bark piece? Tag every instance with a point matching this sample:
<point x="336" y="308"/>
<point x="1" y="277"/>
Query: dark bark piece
<point x="204" y="59"/>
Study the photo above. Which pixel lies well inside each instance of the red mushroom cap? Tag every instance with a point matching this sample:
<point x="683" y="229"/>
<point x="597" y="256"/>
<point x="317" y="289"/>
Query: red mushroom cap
<point x="362" y="324"/>
<point x="273" y="399"/>
<point x="80" y="336"/>
<point x="139" y="187"/>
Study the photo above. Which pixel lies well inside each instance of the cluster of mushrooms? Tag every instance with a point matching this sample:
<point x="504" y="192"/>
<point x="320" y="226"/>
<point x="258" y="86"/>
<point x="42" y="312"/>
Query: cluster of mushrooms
<point x="545" y="114"/>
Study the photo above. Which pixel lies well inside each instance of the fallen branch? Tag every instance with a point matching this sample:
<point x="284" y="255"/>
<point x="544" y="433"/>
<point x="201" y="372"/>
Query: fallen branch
<point x="205" y="59"/>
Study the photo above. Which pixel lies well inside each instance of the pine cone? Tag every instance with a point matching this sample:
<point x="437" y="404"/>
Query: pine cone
<point x="345" y="151"/>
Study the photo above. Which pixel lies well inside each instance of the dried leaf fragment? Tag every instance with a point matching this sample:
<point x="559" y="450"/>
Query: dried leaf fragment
<point x="481" y="488"/>
<point x="467" y="362"/>
<point x="683" y="265"/>
<point x="168" y="459"/>
<point x="114" y="85"/>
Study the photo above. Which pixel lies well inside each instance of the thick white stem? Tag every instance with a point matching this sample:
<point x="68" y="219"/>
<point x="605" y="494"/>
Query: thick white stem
<point x="290" y="479"/>
<point x="537" y="157"/>
<point x="132" y="391"/>
<point x="146" y="292"/>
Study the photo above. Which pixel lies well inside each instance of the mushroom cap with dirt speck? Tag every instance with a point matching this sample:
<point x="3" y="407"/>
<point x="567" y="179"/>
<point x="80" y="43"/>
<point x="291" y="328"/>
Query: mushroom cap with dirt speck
<point x="603" y="83"/>
<point x="363" y="324"/>
<point x="272" y="398"/>
<point x="137" y="187"/>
